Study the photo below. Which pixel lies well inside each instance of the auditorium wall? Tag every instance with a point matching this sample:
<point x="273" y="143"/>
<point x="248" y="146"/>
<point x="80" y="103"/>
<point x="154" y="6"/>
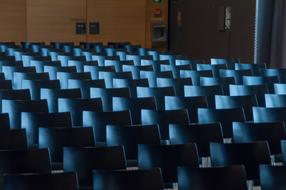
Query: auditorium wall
<point x="55" y="20"/>
<point x="12" y="20"/>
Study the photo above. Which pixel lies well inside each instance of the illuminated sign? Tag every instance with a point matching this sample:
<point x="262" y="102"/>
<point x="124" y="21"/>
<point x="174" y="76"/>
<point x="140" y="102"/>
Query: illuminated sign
<point x="157" y="1"/>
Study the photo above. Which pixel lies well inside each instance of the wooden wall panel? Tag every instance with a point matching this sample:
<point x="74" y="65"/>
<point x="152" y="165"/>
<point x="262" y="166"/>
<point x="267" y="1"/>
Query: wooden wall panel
<point x="120" y="20"/>
<point x="13" y="20"/>
<point x="54" y="20"/>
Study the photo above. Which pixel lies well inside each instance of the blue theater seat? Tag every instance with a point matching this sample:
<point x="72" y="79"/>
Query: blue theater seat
<point x="223" y="178"/>
<point x="56" y="138"/>
<point x="15" y="107"/>
<point x="275" y="100"/>
<point x="164" y="118"/>
<point x="99" y="120"/>
<point x="53" y="69"/>
<point x="52" y="96"/>
<point x="31" y="122"/>
<point x="190" y="103"/>
<point x="223" y="116"/>
<point x="273" y="133"/>
<point x="134" y="105"/>
<point x="65" y="76"/>
<point x="99" y="158"/>
<point x="85" y="85"/>
<point x="177" y="84"/>
<point x="106" y="95"/>
<point x="25" y="161"/>
<point x="19" y="76"/>
<point x="251" y="155"/>
<point x="41" y="181"/>
<point x="242" y="90"/>
<point x="280" y="88"/>
<point x="208" y="91"/>
<point x="130" y="137"/>
<point x="14" y="95"/>
<point x="201" y="134"/>
<point x="4" y="121"/>
<point x="261" y="114"/>
<point x="35" y="86"/>
<point x="128" y="179"/>
<point x="76" y="107"/>
<point x="13" y="139"/>
<point x="229" y="102"/>
<point x="40" y="64"/>
<point x="158" y="93"/>
<point x="272" y="177"/>
<point x="9" y="70"/>
<point x="131" y="84"/>
<point x="168" y="158"/>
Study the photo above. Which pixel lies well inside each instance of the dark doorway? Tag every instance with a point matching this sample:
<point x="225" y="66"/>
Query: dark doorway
<point x="197" y="28"/>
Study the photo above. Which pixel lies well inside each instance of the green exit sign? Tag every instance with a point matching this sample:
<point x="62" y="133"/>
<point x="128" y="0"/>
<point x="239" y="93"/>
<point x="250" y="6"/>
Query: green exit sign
<point x="157" y="1"/>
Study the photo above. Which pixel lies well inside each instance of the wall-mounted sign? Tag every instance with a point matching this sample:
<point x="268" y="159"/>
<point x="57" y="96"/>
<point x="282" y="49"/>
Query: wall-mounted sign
<point x="157" y="1"/>
<point x="80" y="28"/>
<point x="157" y="12"/>
<point x="94" y="28"/>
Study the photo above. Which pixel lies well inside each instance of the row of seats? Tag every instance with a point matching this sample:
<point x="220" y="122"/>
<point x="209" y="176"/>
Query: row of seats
<point x="189" y="178"/>
<point x="131" y="136"/>
<point x="177" y="163"/>
<point x="89" y="112"/>
<point x="83" y="115"/>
